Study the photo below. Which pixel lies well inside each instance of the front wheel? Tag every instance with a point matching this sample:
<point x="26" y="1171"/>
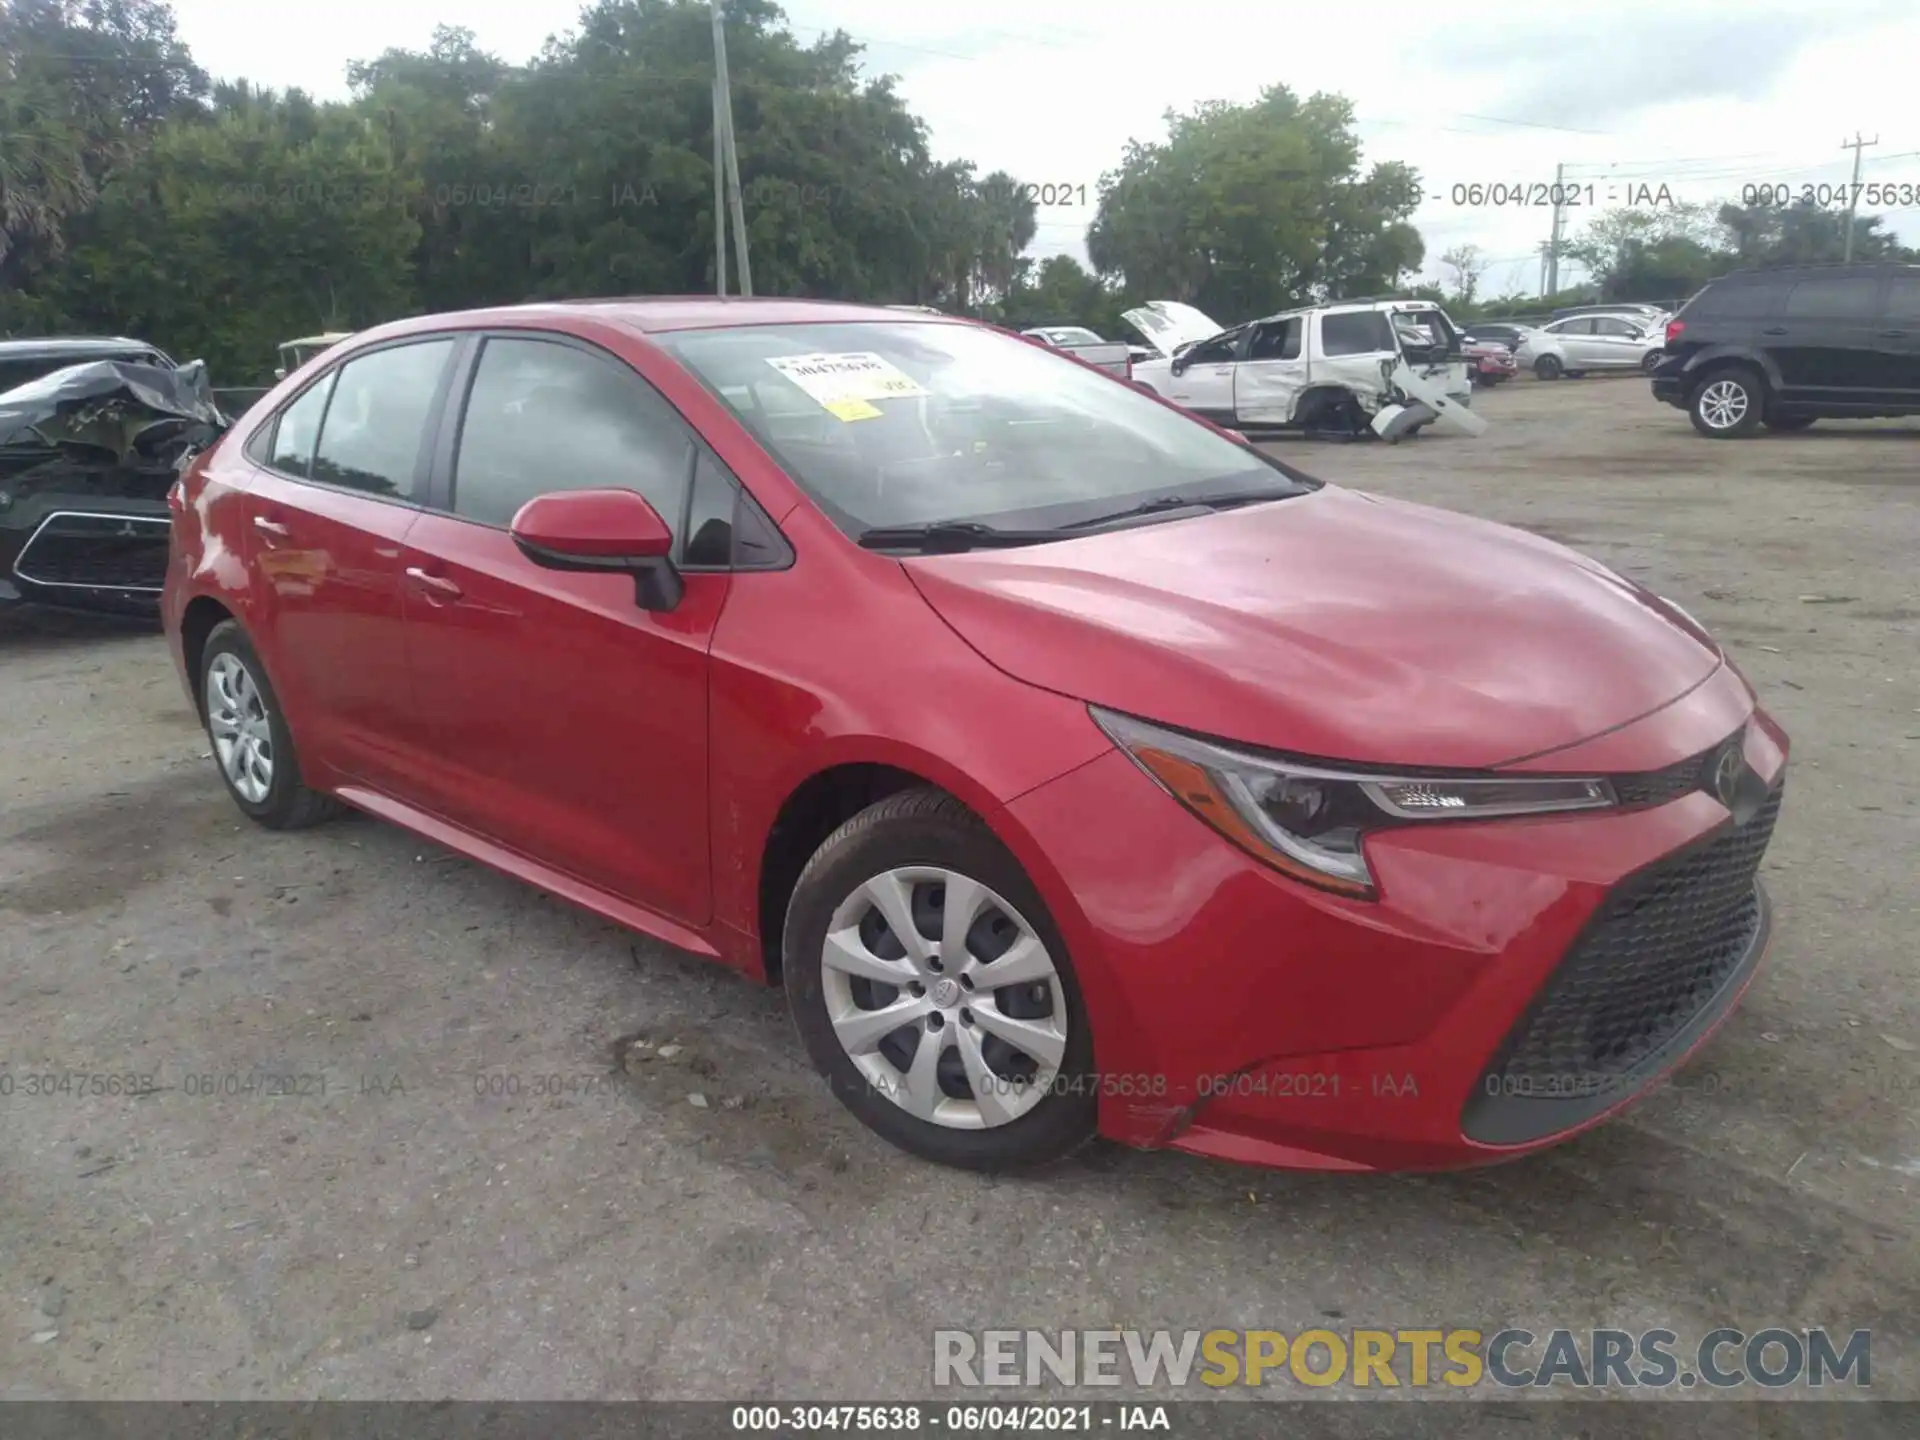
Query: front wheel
<point x="1650" y="361"/>
<point x="933" y="991"/>
<point x="1727" y="404"/>
<point x="1548" y="367"/>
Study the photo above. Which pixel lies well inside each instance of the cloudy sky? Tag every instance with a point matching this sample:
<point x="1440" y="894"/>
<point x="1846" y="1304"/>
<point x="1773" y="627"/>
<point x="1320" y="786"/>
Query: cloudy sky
<point x="1701" y="98"/>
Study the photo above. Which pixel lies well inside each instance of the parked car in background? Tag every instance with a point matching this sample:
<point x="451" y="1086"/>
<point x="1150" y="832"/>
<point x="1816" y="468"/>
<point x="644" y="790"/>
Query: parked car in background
<point x="1113" y="356"/>
<point x="1642" y="310"/>
<point x="1502" y="332"/>
<point x="88" y="449"/>
<point x="24" y="360"/>
<point x="1790" y="346"/>
<point x="968" y="695"/>
<point x="1389" y="366"/>
<point x="295" y="353"/>
<point x="1488" y="361"/>
<point x="1581" y="343"/>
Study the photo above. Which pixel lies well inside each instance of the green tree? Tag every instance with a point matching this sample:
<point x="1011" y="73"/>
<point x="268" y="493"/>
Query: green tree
<point x="227" y="236"/>
<point x="83" y="85"/>
<point x="1246" y="209"/>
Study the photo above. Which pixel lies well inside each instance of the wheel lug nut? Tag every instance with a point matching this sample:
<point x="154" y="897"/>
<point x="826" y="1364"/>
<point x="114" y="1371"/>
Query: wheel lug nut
<point x="916" y="989"/>
<point x="935" y="966"/>
<point x="934" y="1021"/>
<point x="966" y="982"/>
<point x="966" y="1016"/>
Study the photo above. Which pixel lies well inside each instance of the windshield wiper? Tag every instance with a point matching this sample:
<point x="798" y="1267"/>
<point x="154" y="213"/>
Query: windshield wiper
<point x="949" y="537"/>
<point x="1226" y="501"/>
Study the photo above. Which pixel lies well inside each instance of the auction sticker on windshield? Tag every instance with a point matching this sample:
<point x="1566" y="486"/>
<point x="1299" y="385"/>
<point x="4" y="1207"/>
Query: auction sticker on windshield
<point x="845" y="384"/>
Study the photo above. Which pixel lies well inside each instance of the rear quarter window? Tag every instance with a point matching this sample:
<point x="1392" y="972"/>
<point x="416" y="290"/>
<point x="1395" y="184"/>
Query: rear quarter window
<point x="1733" y="302"/>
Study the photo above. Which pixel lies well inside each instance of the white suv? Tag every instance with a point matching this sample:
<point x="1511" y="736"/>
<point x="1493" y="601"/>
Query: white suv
<point x="1392" y="366"/>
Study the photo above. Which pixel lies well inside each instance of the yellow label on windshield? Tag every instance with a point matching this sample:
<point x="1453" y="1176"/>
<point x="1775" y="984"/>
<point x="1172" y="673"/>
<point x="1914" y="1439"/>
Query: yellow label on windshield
<point x="851" y="410"/>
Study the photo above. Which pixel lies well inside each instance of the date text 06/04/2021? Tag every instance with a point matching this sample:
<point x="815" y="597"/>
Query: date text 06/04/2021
<point x="950" y="1419"/>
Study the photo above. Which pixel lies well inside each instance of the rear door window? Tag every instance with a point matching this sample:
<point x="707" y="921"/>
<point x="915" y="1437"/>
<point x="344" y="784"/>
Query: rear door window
<point x="1356" y="332"/>
<point x="1279" y="340"/>
<point x="1833" y="297"/>
<point x="376" y="420"/>
<point x="297" y="429"/>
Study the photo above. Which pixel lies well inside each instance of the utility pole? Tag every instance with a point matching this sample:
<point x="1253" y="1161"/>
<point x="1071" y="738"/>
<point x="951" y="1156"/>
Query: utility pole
<point x="1559" y="219"/>
<point x="719" y="182"/>
<point x="1853" y="191"/>
<point x="723" y="113"/>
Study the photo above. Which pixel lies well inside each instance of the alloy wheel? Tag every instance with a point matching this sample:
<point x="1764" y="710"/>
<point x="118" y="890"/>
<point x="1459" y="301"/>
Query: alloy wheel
<point x="944" y="997"/>
<point x="1723" y="404"/>
<point x="238" y="723"/>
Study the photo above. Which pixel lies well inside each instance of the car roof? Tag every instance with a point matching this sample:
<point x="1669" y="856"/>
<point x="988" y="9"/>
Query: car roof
<point x="659" y="314"/>
<point x="70" y="345"/>
<point x="1835" y="269"/>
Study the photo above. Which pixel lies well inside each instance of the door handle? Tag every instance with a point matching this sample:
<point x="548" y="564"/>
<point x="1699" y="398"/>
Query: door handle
<point x="1893" y="334"/>
<point x="270" y="527"/>
<point x="1774" y="330"/>
<point x="434" y="585"/>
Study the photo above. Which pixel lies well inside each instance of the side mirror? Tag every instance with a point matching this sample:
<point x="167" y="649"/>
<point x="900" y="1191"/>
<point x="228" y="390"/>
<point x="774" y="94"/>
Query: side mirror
<point x="602" y="530"/>
<point x="1179" y="366"/>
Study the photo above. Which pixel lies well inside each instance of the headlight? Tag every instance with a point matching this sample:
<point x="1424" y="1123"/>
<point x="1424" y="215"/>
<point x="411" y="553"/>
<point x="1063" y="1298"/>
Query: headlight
<point x="1308" y="821"/>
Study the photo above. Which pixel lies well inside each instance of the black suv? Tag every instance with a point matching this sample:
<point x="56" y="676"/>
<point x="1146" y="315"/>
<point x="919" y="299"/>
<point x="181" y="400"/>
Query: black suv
<point x="1790" y="346"/>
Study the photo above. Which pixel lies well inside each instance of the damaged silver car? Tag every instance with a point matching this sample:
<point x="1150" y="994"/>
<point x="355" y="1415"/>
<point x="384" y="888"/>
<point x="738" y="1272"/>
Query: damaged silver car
<point x="87" y="455"/>
<point x="1357" y="368"/>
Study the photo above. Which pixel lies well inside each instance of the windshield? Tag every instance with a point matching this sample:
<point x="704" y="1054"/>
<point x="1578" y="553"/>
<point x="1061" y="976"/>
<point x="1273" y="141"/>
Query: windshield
<point x="887" y="424"/>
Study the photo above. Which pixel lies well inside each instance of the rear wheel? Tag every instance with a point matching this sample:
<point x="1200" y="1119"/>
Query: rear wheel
<point x="1548" y="367"/>
<point x="251" y="744"/>
<point x="933" y="990"/>
<point x="1650" y="361"/>
<point x="1727" y="404"/>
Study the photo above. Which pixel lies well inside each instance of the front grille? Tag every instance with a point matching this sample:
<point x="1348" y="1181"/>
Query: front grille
<point x="1657" y="787"/>
<point x="96" y="552"/>
<point x="1655" y="953"/>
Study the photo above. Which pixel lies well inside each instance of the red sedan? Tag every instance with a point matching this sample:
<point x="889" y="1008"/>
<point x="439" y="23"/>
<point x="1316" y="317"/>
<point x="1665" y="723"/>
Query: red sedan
<point x="1075" y="767"/>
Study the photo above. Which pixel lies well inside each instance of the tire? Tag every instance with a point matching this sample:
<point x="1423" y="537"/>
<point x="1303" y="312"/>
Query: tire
<point x="1727" y="403"/>
<point x="1789" y="423"/>
<point x="233" y="683"/>
<point x="928" y="1102"/>
<point x="1548" y="367"/>
<point x="1650" y="361"/>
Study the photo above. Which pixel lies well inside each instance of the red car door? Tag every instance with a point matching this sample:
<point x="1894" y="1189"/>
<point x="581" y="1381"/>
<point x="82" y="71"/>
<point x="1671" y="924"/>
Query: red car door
<point x="326" y="513"/>
<point x="554" y="715"/>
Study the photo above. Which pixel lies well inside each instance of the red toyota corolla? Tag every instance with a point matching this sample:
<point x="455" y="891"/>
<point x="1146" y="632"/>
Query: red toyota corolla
<point x="1075" y="766"/>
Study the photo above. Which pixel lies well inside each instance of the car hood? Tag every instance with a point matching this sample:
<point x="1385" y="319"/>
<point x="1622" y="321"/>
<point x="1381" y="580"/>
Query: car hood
<point x="1338" y="625"/>
<point x="1166" y="325"/>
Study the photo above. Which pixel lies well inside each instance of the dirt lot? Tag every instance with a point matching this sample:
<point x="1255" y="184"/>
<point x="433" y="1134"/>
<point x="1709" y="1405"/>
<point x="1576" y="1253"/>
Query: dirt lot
<point x="430" y="1225"/>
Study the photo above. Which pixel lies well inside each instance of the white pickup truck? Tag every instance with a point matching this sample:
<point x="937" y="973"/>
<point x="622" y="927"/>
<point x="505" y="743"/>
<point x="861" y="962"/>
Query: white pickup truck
<point x="1113" y="356"/>
<point x="1385" y="366"/>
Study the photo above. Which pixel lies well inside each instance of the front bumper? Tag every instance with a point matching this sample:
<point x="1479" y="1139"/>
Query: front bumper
<point x="106" y="554"/>
<point x="1512" y="985"/>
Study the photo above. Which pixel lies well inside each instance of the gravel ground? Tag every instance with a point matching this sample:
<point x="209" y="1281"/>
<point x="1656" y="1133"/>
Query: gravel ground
<point x="482" y="1202"/>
